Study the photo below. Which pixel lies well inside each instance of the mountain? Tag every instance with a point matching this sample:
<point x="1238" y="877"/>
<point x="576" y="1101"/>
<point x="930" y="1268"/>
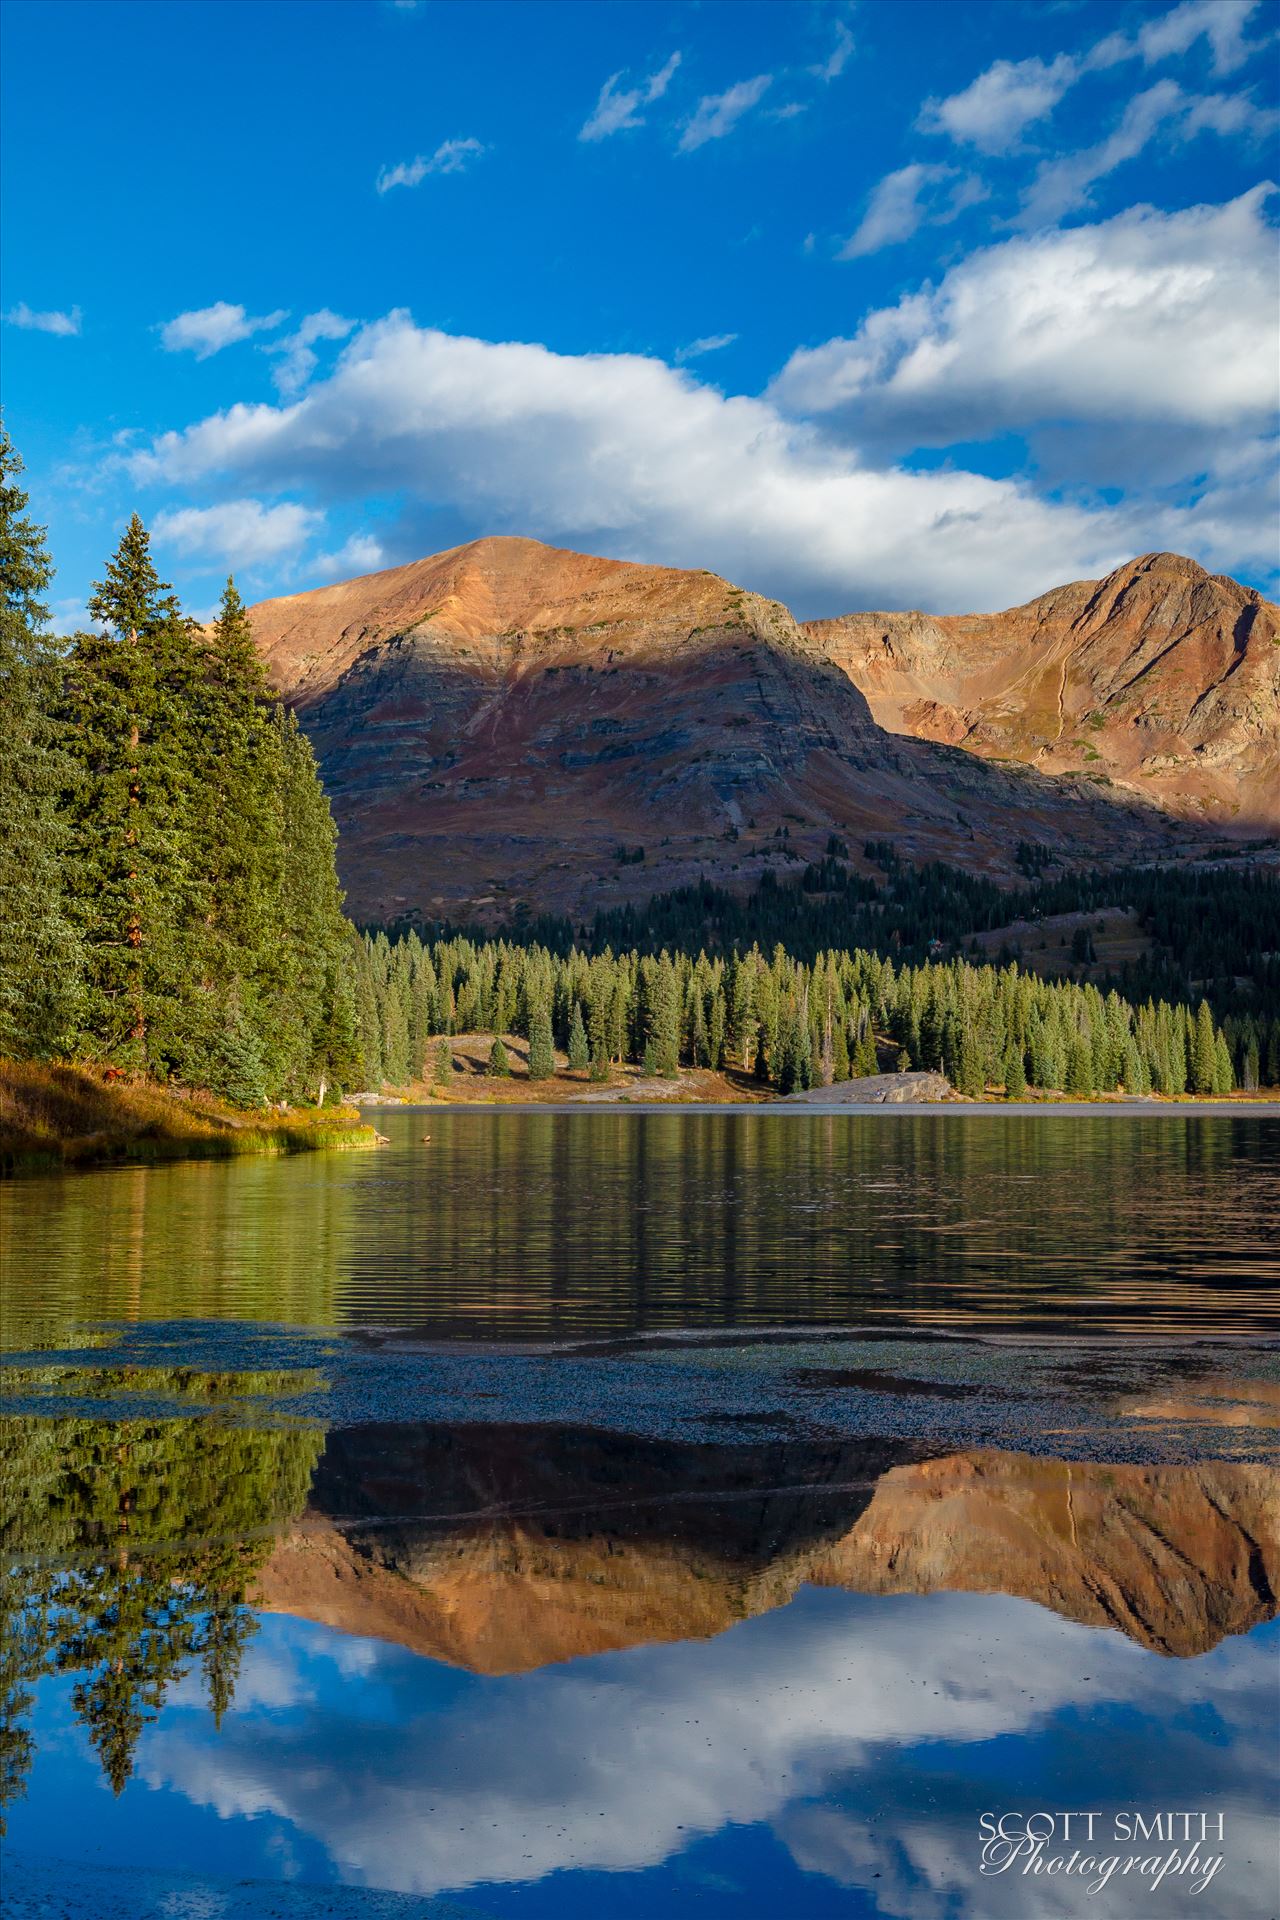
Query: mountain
<point x="590" y="1542"/>
<point x="497" y="722"/>
<point x="1162" y="676"/>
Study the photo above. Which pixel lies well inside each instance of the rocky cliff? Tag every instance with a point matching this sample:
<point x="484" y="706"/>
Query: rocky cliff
<point x="495" y="723"/>
<point x="1163" y="677"/>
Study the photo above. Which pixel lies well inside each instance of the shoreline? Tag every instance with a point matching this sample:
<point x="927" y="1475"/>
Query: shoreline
<point x="899" y="1109"/>
<point x="60" y="1118"/>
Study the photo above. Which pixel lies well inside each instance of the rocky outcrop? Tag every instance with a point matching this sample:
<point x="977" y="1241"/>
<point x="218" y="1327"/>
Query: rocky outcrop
<point x="1163" y="678"/>
<point x="875" y="1089"/>
<point x="502" y="722"/>
<point x="474" y="1547"/>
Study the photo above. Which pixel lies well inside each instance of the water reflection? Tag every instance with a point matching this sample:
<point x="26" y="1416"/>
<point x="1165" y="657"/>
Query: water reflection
<point x="131" y="1547"/>
<point x="502" y="1551"/>
<point x="847" y="1737"/>
<point x="519" y="1225"/>
<point x="127" y="1549"/>
<point x="751" y="1621"/>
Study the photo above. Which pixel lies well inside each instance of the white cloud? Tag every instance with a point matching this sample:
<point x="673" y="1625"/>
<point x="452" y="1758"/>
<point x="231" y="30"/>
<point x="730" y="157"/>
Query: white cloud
<point x="838" y="58"/>
<point x="69" y="615"/>
<point x="719" y="113"/>
<point x="1163" y="320"/>
<point x="1063" y="184"/>
<point x="993" y="110"/>
<point x="207" y="330"/>
<point x="297" y="350"/>
<point x="906" y="200"/>
<point x="63" y="324"/>
<point x="617" y="453"/>
<point x="710" y="343"/>
<point x="362" y="553"/>
<point x="451" y="156"/>
<point x="1227" y="114"/>
<point x="1221" y="22"/>
<point x="617" y="110"/>
<point x="243" y="533"/>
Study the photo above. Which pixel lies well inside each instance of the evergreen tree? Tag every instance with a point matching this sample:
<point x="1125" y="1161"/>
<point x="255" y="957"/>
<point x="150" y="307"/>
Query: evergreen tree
<point x="129" y="700"/>
<point x="662" y="1014"/>
<point x="579" y="1052"/>
<point x="1203" y="1052"/>
<point x="542" y="1059"/>
<point x="238" y="848"/>
<point x="40" y="957"/>
<point x="1015" y="1073"/>
<point x="499" y="1065"/>
<point x="1079" y="1079"/>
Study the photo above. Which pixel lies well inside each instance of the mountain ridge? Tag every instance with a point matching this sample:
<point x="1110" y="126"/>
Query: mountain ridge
<point x="503" y="722"/>
<point x="1161" y="673"/>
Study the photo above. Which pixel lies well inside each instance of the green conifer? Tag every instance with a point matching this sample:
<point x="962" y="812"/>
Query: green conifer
<point x="1014" y="1073"/>
<point x="1203" y="1051"/>
<point x="579" y="1051"/>
<point x="542" y="1059"/>
<point x="40" y="956"/>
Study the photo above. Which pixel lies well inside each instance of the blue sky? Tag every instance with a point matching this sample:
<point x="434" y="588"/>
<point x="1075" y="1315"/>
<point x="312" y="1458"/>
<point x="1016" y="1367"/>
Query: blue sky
<point x="886" y="304"/>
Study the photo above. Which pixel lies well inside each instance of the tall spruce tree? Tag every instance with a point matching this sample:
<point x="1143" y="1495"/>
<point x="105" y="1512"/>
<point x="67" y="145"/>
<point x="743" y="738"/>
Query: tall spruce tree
<point x="238" y="847"/>
<point x="542" y="1059"/>
<point x="130" y="708"/>
<point x="40" y="958"/>
<point x="579" y="1050"/>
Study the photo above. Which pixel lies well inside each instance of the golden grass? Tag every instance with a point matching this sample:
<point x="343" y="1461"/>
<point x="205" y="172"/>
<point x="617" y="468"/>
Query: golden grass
<point x="54" y="1116"/>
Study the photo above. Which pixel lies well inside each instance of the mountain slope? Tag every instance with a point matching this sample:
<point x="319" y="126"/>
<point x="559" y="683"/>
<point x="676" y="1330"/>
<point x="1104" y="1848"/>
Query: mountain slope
<point x="495" y="722"/>
<point x="1162" y="676"/>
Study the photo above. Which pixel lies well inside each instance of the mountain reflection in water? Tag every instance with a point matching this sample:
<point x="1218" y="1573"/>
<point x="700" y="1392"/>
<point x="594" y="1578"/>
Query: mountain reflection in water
<point x="480" y="1546"/>
<point x="141" y="1551"/>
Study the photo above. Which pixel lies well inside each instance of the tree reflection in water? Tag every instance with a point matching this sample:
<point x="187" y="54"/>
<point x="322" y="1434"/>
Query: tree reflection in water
<point x="126" y="1548"/>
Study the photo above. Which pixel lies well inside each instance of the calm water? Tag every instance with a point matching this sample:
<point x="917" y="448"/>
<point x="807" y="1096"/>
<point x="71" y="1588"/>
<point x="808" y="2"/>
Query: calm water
<point x="526" y="1225"/>
<point x="663" y="1514"/>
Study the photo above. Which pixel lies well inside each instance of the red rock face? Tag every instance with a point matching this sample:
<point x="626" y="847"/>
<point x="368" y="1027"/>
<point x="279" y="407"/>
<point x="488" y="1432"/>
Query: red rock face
<point x="1162" y="676"/>
<point x="494" y="722"/>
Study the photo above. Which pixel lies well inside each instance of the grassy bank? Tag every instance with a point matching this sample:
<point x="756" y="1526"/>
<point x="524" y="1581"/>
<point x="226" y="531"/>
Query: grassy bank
<point x="54" y="1117"/>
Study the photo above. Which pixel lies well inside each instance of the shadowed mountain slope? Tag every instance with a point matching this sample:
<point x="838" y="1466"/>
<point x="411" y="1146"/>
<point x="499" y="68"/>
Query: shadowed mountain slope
<point x="495" y="722"/>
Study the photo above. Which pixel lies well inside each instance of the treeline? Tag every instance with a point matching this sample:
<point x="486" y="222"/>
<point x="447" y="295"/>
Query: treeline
<point x="168" y="897"/>
<point x="792" y="1024"/>
<point x="1214" y="931"/>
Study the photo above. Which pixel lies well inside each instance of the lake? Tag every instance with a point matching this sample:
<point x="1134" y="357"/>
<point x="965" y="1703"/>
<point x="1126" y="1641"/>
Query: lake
<point x="707" y="1514"/>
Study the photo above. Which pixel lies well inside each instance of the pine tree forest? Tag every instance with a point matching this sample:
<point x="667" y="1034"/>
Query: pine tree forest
<point x="793" y="1024"/>
<point x="169" y="903"/>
